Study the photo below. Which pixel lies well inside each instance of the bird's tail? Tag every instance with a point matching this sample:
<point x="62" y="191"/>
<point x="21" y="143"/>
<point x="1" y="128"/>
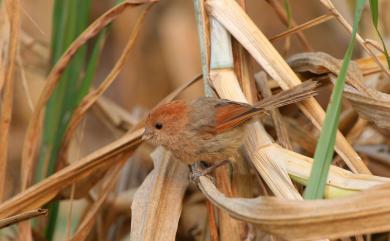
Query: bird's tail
<point x="296" y="94"/>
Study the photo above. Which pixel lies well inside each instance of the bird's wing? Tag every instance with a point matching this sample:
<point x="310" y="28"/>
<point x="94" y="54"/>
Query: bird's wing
<point x="229" y="114"/>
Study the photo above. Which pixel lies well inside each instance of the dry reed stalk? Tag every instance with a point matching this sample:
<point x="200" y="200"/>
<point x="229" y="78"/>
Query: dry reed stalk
<point x="242" y="182"/>
<point x="301" y="27"/>
<point x="157" y="203"/>
<point x="212" y="222"/>
<point x="86" y="225"/>
<point x="230" y="14"/>
<point x="13" y="13"/>
<point x="24" y="82"/>
<point x="22" y="217"/>
<point x="280" y="11"/>
<point x="357" y="130"/>
<point x="92" y="97"/>
<point x="4" y="41"/>
<point x="366" y="212"/>
<point x="229" y="228"/>
<point x="203" y="26"/>
<point x="329" y="5"/>
<point x="222" y="59"/>
<point x="35" y="125"/>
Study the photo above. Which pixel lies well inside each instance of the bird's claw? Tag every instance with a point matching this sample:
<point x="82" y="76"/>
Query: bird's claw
<point x="195" y="174"/>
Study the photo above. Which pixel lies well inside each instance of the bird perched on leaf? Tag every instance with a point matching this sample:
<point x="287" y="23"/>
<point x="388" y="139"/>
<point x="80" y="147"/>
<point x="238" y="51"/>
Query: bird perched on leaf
<point x="209" y="129"/>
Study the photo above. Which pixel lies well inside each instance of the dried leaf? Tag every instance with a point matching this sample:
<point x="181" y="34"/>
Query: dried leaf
<point x="371" y="104"/>
<point x="366" y="212"/>
<point x="157" y="203"/>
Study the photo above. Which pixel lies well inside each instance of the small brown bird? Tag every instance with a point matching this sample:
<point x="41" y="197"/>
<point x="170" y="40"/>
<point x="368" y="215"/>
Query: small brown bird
<point x="210" y="129"/>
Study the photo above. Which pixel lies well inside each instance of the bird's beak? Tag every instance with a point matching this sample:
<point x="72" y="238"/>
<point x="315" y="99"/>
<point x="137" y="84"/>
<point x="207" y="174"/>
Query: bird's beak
<point x="147" y="135"/>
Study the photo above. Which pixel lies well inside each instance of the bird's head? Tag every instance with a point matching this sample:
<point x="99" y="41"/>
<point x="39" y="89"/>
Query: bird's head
<point x="166" y="122"/>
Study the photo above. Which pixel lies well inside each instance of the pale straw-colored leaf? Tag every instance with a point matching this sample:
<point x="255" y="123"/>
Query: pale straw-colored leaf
<point x="366" y="212"/>
<point x="157" y="204"/>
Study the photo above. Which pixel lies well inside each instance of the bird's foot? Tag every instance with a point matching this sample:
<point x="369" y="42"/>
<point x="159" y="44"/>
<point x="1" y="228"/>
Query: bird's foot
<point x="198" y="170"/>
<point x="196" y="173"/>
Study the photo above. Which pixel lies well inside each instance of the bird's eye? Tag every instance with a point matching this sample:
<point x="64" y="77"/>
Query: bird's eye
<point x="158" y="126"/>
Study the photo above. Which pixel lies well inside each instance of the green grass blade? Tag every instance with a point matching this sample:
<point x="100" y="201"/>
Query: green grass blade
<point x="91" y="67"/>
<point x="374" y="6"/>
<point x="287" y="7"/>
<point x="70" y="18"/>
<point x="324" y="150"/>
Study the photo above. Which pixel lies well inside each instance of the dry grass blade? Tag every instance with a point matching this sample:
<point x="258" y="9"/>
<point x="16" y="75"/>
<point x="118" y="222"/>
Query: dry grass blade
<point x="13" y="12"/>
<point x="362" y="213"/>
<point x="230" y="14"/>
<point x="283" y="16"/>
<point x="41" y="193"/>
<point x="308" y="24"/>
<point x="92" y="97"/>
<point x="157" y="203"/>
<point x="4" y="41"/>
<point x="21" y="217"/>
<point x="89" y="220"/>
<point x="34" y="127"/>
<point x="328" y="4"/>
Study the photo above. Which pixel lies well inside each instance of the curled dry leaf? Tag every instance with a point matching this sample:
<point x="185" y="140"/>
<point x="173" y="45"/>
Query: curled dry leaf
<point x="340" y="182"/>
<point x="362" y="213"/>
<point x="371" y="104"/>
<point x="157" y="204"/>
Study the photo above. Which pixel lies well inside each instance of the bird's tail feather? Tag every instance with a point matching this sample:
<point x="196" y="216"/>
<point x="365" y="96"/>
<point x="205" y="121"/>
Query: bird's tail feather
<point x="286" y="97"/>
